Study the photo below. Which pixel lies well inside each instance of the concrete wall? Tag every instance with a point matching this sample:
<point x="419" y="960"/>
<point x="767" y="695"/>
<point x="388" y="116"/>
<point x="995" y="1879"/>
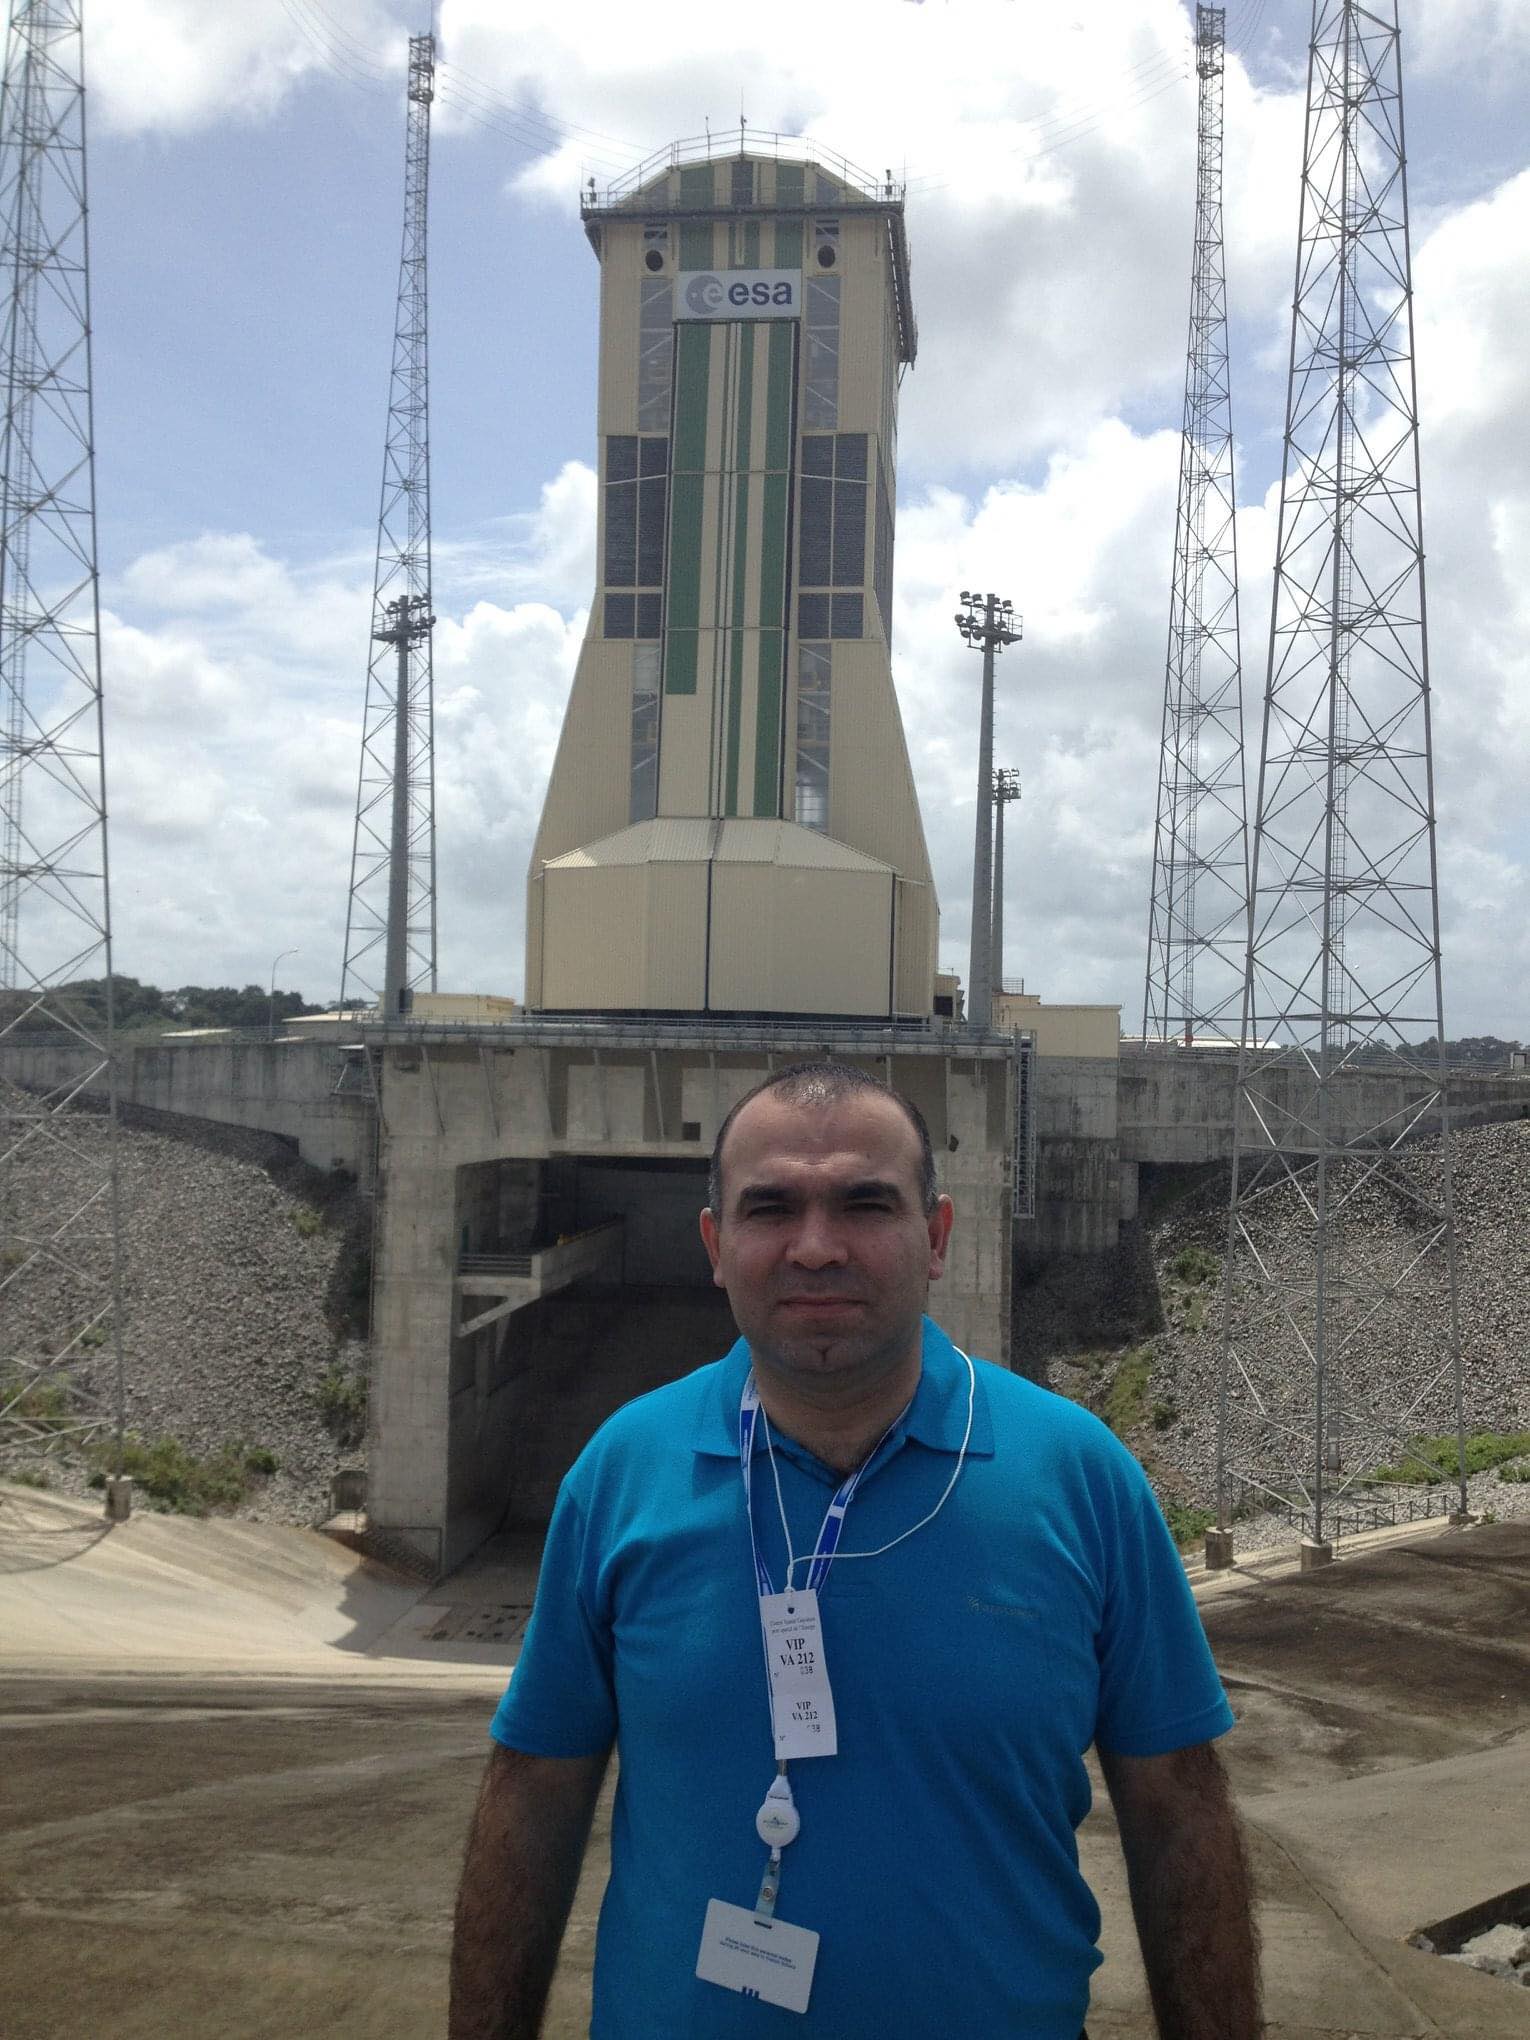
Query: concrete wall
<point x="443" y="1425"/>
<point x="1079" y="1188"/>
<point x="286" y="1088"/>
<point x="1178" y="1107"/>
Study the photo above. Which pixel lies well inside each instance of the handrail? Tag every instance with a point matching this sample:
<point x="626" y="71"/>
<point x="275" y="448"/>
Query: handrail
<point x="711" y="148"/>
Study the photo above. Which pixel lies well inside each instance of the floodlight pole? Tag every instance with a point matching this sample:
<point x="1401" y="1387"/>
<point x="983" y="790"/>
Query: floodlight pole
<point x="987" y="623"/>
<point x="1006" y="788"/>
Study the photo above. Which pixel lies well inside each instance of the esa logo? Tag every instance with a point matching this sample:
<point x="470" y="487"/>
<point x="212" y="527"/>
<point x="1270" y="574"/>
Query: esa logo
<point x="741" y="294"/>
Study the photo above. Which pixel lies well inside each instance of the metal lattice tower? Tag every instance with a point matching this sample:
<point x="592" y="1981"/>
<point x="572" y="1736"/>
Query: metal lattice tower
<point x="1197" y="922"/>
<point x="1006" y="791"/>
<point x="1341" y="1325"/>
<point x="390" y="923"/>
<point x="61" y="1372"/>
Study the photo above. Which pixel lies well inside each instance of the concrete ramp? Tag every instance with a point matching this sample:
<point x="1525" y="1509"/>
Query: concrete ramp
<point x="208" y="1598"/>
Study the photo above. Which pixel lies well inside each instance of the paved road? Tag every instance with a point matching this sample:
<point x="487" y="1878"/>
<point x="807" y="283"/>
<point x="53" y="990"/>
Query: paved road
<point x="199" y="1835"/>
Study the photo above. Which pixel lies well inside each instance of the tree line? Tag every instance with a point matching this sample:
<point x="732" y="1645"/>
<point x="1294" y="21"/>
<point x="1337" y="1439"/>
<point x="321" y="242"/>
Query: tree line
<point x="142" y="1007"/>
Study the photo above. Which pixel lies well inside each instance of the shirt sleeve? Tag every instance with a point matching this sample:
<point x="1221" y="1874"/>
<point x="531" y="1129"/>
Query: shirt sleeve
<point x="561" y="1700"/>
<point x="1159" y="1689"/>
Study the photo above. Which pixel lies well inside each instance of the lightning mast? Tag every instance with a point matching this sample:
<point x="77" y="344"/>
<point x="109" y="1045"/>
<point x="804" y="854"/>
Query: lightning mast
<point x="1341" y="1333"/>
<point x="60" y="1229"/>
<point x="1198" y="914"/>
<point x="390" y="925"/>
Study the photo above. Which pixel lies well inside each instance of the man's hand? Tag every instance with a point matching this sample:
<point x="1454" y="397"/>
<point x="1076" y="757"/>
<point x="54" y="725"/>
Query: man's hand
<point x="524" y="1850"/>
<point x="1190" y="1892"/>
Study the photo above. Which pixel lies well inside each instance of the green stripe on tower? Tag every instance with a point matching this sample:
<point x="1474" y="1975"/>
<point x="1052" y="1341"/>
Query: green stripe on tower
<point x="742" y="436"/>
<point x="767" y="726"/>
<point x="778" y="396"/>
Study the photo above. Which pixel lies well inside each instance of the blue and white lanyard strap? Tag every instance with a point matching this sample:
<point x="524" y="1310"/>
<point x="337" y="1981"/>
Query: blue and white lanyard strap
<point x="750" y="1415"/>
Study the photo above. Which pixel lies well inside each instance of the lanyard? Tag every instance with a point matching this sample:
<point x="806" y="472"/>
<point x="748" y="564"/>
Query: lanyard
<point x="750" y="1416"/>
<point x="777" y="1822"/>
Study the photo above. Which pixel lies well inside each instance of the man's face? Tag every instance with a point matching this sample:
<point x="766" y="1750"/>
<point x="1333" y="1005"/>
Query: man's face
<point x="822" y="1244"/>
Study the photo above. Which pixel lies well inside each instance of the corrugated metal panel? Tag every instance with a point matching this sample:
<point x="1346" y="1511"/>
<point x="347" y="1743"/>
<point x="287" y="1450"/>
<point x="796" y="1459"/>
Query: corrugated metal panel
<point x="675" y="979"/>
<point x="918" y="942"/>
<point x="872" y="800"/>
<point x="594" y="937"/>
<point x="590" y="789"/>
<point x="799" y="941"/>
<point x="862" y="325"/>
<point x="620" y="268"/>
<point x="536" y="887"/>
<point x="759" y="841"/>
<point x="665" y="841"/>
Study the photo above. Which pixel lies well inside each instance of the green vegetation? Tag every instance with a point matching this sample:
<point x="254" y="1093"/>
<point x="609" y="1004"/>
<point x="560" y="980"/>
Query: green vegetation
<point x="144" y="1009"/>
<point x="1187" y="1523"/>
<point x="1126" y="1404"/>
<point x="92" y="1336"/>
<point x="1435" y="1459"/>
<point x="342" y="1399"/>
<point x="1163" y="1414"/>
<point x="174" y="1479"/>
<point x="47" y="1405"/>
<point x="1515" y="1473"/>
<point x="1197" y="1266"/>
<point x="30" y="1476"/>
<point x="307" y="1221"/>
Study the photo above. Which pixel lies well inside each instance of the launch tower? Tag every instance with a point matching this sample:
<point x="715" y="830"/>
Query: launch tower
<point x="731" y="825"/>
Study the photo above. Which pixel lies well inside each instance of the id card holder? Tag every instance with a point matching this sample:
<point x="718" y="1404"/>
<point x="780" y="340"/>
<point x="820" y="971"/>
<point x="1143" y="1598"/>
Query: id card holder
<point x="801" y="1703"/>
<point x="766" y="1959"/>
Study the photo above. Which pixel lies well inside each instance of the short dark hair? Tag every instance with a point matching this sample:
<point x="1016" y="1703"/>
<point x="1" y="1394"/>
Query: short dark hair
<point x="825" y="1083"/>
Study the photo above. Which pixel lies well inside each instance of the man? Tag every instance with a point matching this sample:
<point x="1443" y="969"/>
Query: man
<point x="1002" y="1594"/>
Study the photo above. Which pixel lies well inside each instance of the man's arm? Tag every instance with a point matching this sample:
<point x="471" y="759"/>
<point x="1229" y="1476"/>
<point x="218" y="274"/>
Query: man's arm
<point x="523" y="1856"/>
<point x="1190" y="1889"/>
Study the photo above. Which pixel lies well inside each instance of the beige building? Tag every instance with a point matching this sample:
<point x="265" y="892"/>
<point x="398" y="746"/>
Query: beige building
<point x="731" y="824"/>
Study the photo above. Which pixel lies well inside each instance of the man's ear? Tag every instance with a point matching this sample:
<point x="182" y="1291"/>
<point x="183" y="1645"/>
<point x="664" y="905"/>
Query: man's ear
<point x="940" y="1222"/>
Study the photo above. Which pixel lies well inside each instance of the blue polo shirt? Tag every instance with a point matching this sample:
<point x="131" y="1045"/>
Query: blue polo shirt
<point x="1043" y="1609"/>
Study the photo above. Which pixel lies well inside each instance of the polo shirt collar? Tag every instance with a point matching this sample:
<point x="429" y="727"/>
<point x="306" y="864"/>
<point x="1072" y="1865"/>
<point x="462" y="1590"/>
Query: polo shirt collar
<point x="937" y="1417"/>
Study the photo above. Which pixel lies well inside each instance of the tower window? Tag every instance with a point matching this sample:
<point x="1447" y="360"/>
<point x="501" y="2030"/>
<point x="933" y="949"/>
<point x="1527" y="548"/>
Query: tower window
<point x="636" y="509"/>
<point x="831" y="548"/>
<point x="813" y="672"/>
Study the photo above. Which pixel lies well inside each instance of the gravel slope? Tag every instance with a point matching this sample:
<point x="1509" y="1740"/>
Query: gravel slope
<point x="238" y="1260"/>
<point x="1180" y="1320"/>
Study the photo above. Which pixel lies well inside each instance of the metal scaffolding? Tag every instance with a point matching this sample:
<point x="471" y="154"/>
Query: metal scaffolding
<point x="1341" y="1344"/>
<point x="390" y="923"/>
<point x="1197" y="920"/>
<point x="61" y="1364"/>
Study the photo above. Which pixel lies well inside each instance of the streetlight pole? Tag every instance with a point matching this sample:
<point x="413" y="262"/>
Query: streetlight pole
<point x="987" y="624"/>
<point x="271" y="1010"/>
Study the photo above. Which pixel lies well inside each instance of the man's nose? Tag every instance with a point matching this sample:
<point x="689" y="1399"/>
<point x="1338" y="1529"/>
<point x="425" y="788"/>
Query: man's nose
<point x="817" y="1241"/>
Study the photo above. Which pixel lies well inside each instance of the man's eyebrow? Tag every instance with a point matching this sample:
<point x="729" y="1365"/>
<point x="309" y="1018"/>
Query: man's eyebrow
<point x="778" y="1193"/>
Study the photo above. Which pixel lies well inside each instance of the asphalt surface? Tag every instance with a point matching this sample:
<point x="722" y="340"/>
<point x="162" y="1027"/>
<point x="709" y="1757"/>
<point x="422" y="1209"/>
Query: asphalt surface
<point x="238" y="1766"/>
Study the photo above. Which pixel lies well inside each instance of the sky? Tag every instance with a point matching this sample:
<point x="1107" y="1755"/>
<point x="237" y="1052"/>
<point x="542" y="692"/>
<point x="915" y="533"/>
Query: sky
<point x="246" y="174"/>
